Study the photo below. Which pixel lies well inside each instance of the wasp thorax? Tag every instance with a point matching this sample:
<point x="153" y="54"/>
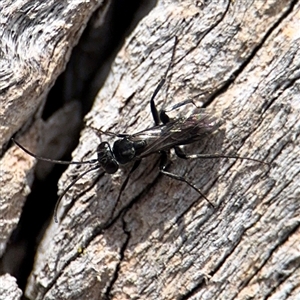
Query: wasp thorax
<point x="124" y="150"/>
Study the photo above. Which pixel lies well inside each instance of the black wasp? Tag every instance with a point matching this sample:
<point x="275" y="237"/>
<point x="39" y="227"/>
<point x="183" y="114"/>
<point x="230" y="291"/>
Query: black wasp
<point x="167" y="133"/>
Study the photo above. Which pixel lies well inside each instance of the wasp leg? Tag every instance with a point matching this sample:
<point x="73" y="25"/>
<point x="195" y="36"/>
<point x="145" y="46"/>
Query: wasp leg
<point x="180" y="153"/>
<point x="163" y="165"/>
<point x="154" y="111"/>
<point x="134" y="167"/>
<point x="182" y="103"/>
<point x="165" y="118"/>
<point x="109" y="133"/>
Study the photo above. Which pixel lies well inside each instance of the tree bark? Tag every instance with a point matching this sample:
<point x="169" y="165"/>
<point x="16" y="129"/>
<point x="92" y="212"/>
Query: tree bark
<point x="9" y="288"/>
<point x="164" y="241"/>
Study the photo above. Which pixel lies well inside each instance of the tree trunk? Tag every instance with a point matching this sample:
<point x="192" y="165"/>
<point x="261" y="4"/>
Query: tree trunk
<point x="163" y="240"/>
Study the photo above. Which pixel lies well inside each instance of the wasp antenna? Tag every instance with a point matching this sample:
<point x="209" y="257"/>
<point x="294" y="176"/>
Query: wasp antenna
<point x="62" y="162"/>
<point x="68" y="188"/>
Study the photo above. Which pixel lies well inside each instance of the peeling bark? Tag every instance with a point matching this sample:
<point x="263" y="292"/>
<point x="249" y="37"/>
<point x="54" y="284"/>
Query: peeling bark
<point x="164" y="241"/>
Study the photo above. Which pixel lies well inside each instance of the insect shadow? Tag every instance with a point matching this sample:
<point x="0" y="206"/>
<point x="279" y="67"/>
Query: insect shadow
<point x="167" y="133"/>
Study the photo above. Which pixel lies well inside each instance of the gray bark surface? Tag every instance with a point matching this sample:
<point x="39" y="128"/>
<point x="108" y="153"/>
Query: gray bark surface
<point x="164" y="241"/>
<point x="9" y="288"/>
<point x="36" y="41"/>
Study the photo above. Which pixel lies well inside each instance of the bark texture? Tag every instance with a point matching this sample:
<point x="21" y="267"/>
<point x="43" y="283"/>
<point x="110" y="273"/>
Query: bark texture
<point x="9" y="288"/>
<point x="241" y="59"/>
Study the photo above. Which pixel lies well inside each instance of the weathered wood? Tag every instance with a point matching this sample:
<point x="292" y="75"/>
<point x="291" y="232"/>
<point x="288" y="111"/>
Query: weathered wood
<point x="169" y="243"/>
<point x="36" y="41"/>
<point x="9" y="288"/>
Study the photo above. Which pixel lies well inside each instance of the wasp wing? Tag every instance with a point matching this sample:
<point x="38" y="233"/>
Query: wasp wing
<point x="179" y="131"/>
